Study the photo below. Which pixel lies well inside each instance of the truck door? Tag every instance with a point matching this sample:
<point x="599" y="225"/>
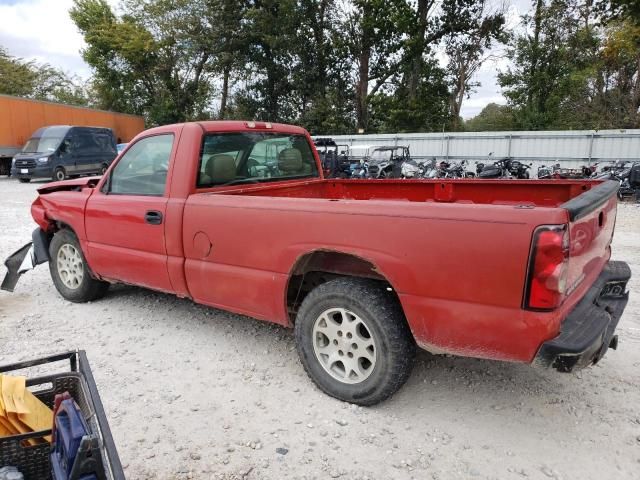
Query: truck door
<point x="125" y="220"/>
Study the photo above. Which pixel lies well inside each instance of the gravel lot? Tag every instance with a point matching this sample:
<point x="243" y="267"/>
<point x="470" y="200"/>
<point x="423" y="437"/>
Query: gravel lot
<point x="193" y="392"/>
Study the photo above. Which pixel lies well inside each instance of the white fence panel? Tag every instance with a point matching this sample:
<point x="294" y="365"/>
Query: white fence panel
<point x="569" y="148"/>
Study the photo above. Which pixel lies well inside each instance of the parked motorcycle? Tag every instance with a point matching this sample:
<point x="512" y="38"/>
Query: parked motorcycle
<point x="545" y="172"/>
<point x="480" y="165"/>
<point x="628" y="177"/>
<point x="497" y="169"/>
<point x="504" y="168"/>
<point x="589" y="170"/>
<point x="519" y="170"/>
<point x="412" y="169"/>
<point x="459" y="170"/>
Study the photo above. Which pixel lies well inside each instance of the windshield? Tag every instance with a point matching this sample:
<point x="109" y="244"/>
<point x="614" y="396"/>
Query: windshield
<point x="381" y="155"/>
<point x="42" y="144"/>
<point x="254" y="157"/>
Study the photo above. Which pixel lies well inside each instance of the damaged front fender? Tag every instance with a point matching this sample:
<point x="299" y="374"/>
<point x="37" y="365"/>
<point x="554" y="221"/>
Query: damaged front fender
<point x="26" y="258"/>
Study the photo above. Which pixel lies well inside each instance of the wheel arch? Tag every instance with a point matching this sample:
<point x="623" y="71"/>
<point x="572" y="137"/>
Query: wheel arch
<point x="321" y="265"/>
<point x="56" y="226"/>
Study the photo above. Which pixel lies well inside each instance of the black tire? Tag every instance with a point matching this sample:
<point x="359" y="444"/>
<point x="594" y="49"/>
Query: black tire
<point x="24" y="180"/>
<point x="88" y="288"/>
<point x="380" y="311"/>
<point x="59" y="174"/>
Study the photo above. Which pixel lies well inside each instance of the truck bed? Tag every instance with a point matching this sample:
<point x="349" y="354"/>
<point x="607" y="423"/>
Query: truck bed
<point x="452" y="249"/>
<point x="543" y="193"/>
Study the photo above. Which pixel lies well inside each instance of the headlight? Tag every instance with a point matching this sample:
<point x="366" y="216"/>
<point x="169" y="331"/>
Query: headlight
<point x="13" y="162"/>
<point x="43" y="159"/>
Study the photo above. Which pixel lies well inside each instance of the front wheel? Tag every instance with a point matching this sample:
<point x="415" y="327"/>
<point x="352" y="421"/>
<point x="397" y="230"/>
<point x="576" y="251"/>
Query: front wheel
<point x="354" y="341"/>
<point x="69" y="270"/>
<point x="59" y="174"/>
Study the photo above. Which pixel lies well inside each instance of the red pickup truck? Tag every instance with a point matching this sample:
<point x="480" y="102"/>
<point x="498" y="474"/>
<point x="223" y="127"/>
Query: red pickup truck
<point x="238" y="216"/>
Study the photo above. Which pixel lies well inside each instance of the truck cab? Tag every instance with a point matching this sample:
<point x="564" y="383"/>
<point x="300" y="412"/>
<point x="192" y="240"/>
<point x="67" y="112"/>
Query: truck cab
<point x="63" y="151"/>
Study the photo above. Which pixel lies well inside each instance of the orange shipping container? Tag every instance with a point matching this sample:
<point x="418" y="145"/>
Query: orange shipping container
<point x="20" y="117"/>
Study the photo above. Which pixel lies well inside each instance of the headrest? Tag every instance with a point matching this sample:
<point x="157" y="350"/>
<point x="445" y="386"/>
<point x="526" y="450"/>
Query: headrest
<point x="221" y="167"/>
<point x="290" y="160"/>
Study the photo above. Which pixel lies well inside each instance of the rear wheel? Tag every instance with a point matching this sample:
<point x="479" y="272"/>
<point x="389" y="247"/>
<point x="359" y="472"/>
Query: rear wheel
<point x="69" y="270"/>
<point x="24" y="180"/>
<point x="353" y="340"/>
<point x="59" y="174"/>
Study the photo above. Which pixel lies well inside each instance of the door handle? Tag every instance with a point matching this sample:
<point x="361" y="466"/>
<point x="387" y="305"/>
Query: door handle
<point x="153" y="217"/>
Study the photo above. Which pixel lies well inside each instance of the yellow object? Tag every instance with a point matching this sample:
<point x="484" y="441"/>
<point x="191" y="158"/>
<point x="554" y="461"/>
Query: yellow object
<point x="20" y="410"/>
<point x="6" y="428"/>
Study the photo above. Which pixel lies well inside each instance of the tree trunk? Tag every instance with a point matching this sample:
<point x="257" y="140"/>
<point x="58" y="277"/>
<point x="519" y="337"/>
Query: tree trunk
<point x="362" y="89"/>
<point x="534" y="94"/>
<point x="225" y="92"/>
<point x="457" y="96"/>
<point x="417" y="50"/>
<point x="635" y="97"/>
<point x="320" y="40"/>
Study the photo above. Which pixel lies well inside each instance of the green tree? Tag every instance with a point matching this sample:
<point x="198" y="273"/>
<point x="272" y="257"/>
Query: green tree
<point x="616" y="101"/>
<point x="393" y="46"/>
<point x="16" y="77"/>
<point x="155" y="60"/>
<point x="466" y="52"/>
<point x="269" y="94"/>
<point x="493" y="117"/>
<point x="224" y="23"/>
<point x="39" y="81"/>
<point x="551" y="62"/>
<point x="375" y="31"/>
<point x="391" y="111"/>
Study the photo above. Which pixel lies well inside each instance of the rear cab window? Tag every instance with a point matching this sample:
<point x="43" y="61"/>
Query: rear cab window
<point x="252" y="157"/>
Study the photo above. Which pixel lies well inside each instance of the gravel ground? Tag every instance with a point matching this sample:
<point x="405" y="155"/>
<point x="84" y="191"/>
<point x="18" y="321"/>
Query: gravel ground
<point x="192" y="392"/>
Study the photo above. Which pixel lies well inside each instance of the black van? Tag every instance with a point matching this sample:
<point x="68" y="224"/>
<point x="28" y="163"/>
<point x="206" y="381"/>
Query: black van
<point x="63" y="151"/>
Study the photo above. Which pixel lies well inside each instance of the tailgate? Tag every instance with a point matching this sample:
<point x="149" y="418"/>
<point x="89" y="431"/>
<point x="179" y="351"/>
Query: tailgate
<point x="592" y="218"/>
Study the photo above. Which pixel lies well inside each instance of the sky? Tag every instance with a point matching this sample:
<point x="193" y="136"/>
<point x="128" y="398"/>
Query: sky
<point x="41" y="30"/>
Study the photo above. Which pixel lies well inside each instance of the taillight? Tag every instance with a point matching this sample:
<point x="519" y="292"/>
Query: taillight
<point x="548" y="268"/>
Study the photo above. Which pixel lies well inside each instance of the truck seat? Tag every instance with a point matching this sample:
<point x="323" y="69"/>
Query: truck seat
<point x="290" y="162"/>
<point x="219" y="168"/>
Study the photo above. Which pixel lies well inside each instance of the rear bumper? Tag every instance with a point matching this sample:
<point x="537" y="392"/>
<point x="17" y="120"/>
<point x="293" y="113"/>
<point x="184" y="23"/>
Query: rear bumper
<point x="589" y="329"/>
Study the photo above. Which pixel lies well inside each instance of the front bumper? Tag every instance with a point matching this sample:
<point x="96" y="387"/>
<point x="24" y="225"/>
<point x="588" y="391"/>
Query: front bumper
<point x="39" y="171"/>
<point x="589" y="329"/>
<point x="26" y="258"/>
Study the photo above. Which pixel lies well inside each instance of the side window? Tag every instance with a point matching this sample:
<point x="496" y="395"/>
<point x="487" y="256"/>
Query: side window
<point x="85" y="143"/>
<point x="105" y="143"/>
<point x="143" y="169"/>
